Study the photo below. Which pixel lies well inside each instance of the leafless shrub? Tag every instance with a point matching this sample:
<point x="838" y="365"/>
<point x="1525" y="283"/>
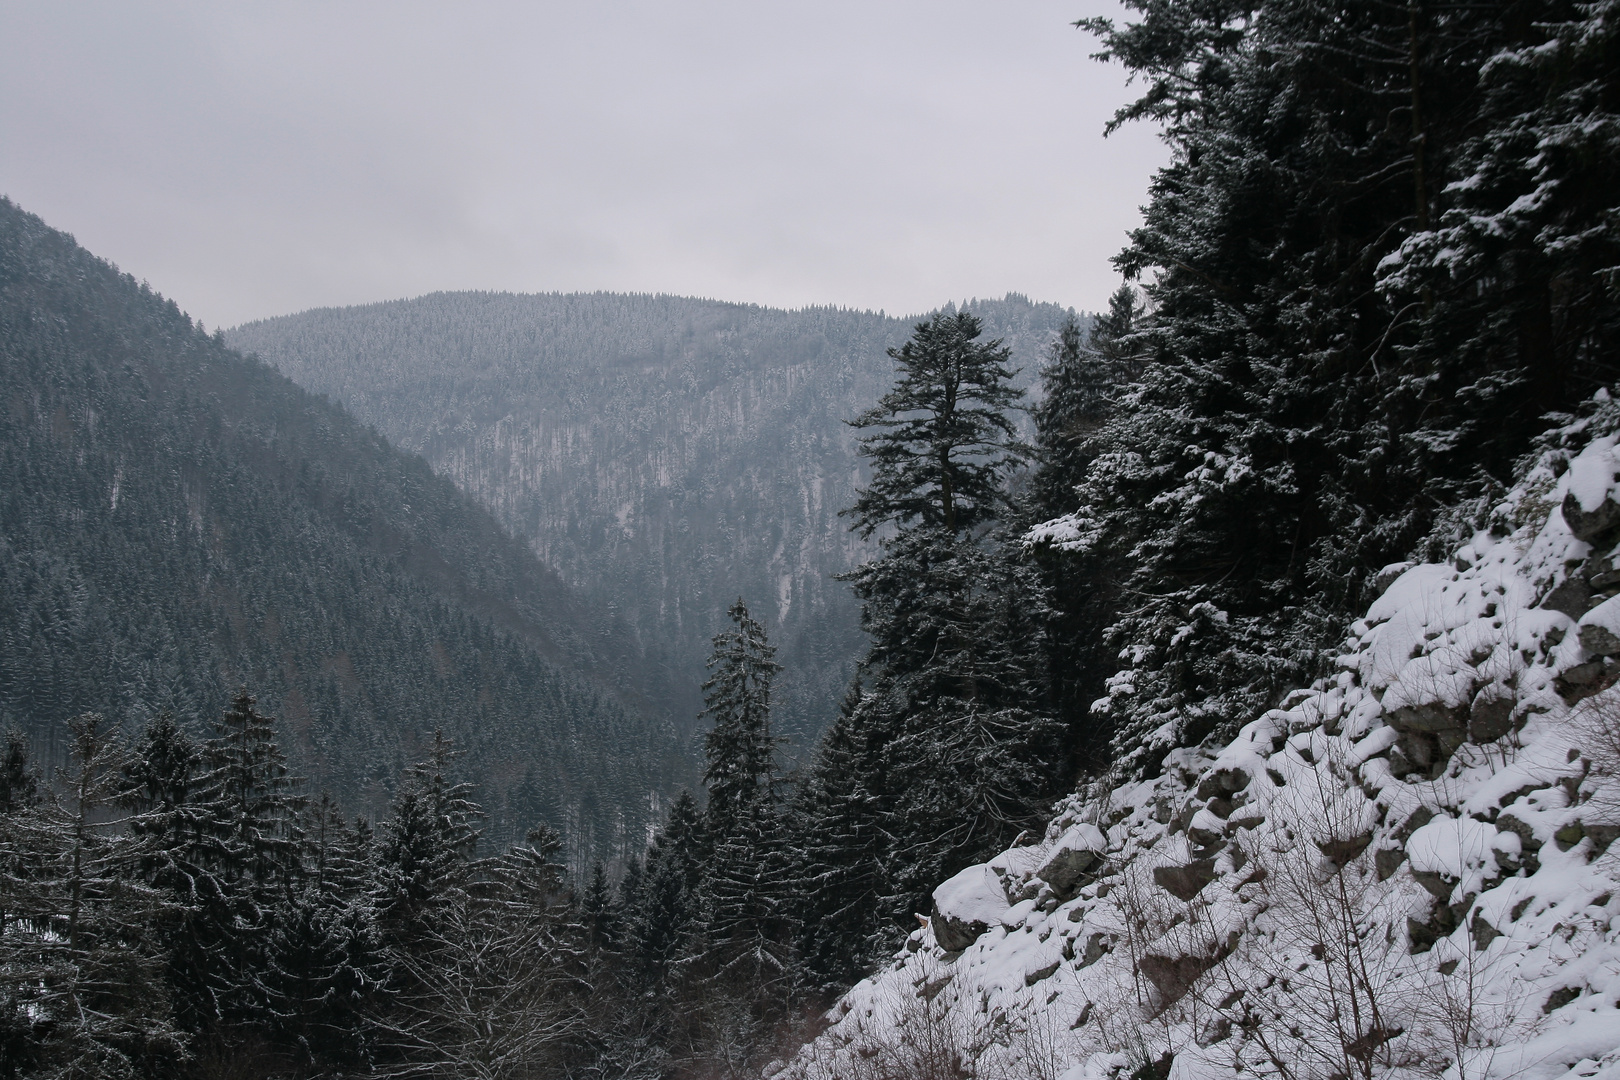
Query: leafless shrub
<point x="1597" y="721"/>
<point x="1314" y="984"/>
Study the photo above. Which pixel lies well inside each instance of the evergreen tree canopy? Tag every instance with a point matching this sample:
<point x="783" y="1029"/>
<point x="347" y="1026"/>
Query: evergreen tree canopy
<point x="425" y="852"/>
<point x="951" y="745"/>
<point x="739" y="749"/>
<point x="942" y="439"/>
<point x="1290" y="432"/>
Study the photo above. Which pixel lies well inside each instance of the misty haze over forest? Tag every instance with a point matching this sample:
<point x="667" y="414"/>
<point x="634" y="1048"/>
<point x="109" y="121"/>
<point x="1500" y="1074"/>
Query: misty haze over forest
<point x="554" y="620"/>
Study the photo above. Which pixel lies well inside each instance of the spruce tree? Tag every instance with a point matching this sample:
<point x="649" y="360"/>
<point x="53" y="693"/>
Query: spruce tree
<point x="838" y="850"/>
<point x="739" y="750"/>
<point x="597" y="908"/>
<point x="940" y="441"/>
<point x="224" y="837"/>
<point x="1080" y="384"/>
<point x="1081" y="378"/>
<point x="82" y="988"/>
<point x="660" y="926"/>
<point x="19" y="782"/>
<point x="1511" y="294"/>
<point x="323" y="967"/>
<point x="742" y="963"/>
<point x="425" y="852"/>
<point x="966" y="755"/>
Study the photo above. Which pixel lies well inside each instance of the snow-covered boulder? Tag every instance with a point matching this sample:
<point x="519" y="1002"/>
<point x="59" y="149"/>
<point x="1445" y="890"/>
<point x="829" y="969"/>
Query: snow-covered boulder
<point x="1600" y="628"/>
<point x="1076" y="851"/>
<point x="966" y="906"/>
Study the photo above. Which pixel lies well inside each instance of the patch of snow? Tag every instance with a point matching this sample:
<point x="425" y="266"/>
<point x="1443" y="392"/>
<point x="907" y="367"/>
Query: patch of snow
<point x="1481" y="877"/>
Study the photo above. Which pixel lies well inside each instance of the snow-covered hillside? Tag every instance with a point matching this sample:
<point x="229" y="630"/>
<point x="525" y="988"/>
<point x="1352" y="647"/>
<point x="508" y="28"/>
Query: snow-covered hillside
<point x="1404" y="871"/>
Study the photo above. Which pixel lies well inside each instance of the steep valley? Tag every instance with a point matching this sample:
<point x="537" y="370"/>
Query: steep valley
<point x="665" y="454"/>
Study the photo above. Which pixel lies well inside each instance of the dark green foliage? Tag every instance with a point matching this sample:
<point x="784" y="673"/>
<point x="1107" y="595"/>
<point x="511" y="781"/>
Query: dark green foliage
<point x="236" y="856"/>
<point x="943" y="439"/>
<point x="840" y="869"/>
<point x="1303" y="409"/>
<point x="739" y="750"/>
<point x="598" y="910"/>
<point x="424" y="855"/>
<point x="1079" y="382"/>
<point x="177" y="520"/>
<point x="1511" y="294"/>
<point x="957" y="707"/>
<point x="19" y="784"/>
<point x="742" y="961"/>
<point x="324" y="967"/>
<point x="951" y="749"/>
<point x="82" y="989"/>
<point x="664" y="909"/>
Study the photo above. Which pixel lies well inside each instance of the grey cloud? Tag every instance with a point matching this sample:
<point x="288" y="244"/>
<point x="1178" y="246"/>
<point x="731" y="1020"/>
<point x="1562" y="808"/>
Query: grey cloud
<point x="253" y="160"/>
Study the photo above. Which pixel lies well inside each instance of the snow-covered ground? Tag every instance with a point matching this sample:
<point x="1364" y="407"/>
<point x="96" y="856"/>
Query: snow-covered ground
<point x="1404" y="871"/>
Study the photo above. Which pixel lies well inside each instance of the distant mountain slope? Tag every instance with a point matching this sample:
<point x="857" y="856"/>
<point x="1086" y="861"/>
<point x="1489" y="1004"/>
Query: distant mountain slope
<point x="666" y="454"/>
<point x="176" y="520"/>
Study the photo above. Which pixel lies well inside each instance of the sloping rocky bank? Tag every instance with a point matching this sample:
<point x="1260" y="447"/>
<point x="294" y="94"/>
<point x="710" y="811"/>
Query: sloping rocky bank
<point x="1404" y="870"/>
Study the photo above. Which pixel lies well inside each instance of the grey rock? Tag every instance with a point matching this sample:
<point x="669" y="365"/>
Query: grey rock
<point x="1599" y="640"/>
<point x="1222" y="782"/>
<point x="1173" y="976"/>
<point x="1064" y="869"/>
<point x="1581" y="681"/>
<point x="1602" y="836"/>
<point x="1415" y="821"/>
<point x="1491" y="715"/>
<point x="1438" y="885"/>
<point x="1572" y="597"/>
<point x="1429" y="718"/>
<point x="1588" y="525"/>
<point x="1033" y="977"/>
<point x="1185" y="882"/>
<point x="1340" y="850"/>
<point x="1559" y="998"/>
<point x="954" y="935"/>
<point x="1096" y="948"/>
<point x="1388" y="576"/>
<point x="1217" y="1030"/>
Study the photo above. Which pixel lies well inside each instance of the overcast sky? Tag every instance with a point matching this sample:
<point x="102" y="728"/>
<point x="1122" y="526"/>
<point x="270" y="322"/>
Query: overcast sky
<point x="253" y="160"/>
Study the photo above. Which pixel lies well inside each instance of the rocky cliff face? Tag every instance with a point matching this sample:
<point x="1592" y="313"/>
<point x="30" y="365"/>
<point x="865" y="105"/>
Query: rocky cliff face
<point x="1406" y="870"/>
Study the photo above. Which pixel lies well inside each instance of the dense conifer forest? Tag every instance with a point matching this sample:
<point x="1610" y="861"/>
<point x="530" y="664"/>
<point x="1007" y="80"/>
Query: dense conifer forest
<point x="663" y="453"/>
<point x="180" y="521"/>
<point x="1382" y="261"/>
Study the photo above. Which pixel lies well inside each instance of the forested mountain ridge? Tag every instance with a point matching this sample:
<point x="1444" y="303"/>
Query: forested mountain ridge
<point x="666" y="454"/>
<point x="179" y="520"/>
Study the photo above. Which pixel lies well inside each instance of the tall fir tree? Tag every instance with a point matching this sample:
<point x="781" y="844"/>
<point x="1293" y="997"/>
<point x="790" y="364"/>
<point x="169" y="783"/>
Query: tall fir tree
<point x="425" y="851"/>
<point x="838" y="849"/>
<point x="82" y="978"/>
<point x="955" y="728"/>
<point x="744" y="940"/>
<point x="660" y="927"/>
<point x="225" y="838"/>
<point x="1080" y="384"/>
<point x="323" y="967"/>
<point x="739" y="750"/>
